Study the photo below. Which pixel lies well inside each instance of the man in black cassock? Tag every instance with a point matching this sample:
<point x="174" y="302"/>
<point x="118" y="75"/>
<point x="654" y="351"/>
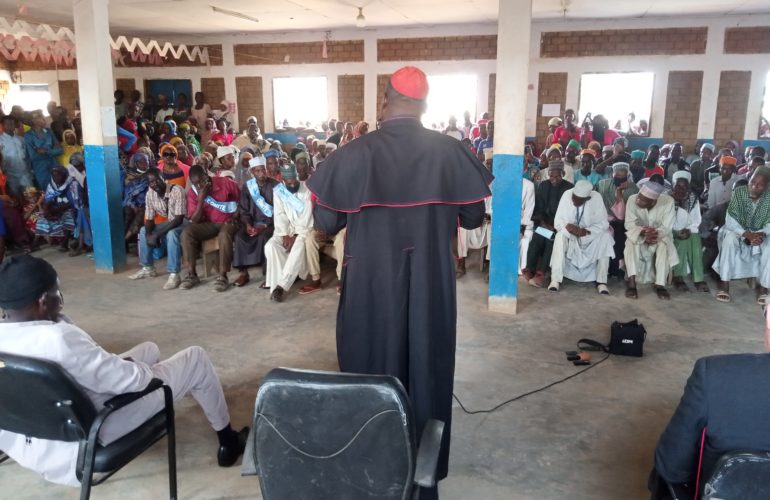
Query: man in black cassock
<point x="255" y="211"/>
<point x="402" y="191"/>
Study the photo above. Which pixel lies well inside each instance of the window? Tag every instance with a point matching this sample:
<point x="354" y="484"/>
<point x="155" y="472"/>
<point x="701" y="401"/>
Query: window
<point x="625" y="99"/>
<point x="29" y="96"/>
<point x="450" y="95"/>
<point x="297" y="101"/>
<point x="764" y="121"/>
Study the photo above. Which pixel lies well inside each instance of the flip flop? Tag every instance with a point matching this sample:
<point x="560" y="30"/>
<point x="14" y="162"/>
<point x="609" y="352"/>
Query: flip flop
<point x="662" y="293"/>
<point x="723" y="296"/>
<point x="631" y="293"/>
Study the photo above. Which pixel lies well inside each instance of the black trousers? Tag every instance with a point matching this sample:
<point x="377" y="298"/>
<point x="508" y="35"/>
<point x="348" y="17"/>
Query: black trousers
<point x="619" y="228"/>
<point x="429" y="493"/>
<point x="539" y="253"/>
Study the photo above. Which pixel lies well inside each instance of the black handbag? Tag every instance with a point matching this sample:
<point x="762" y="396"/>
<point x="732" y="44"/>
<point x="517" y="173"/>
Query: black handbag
<point x="626" y="339"/>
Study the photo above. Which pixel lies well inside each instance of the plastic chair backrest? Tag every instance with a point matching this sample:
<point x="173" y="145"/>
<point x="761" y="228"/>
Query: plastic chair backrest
<point x="740" y="474"/>
<point x="323" y="435"/>
<point x="41" y="400"/>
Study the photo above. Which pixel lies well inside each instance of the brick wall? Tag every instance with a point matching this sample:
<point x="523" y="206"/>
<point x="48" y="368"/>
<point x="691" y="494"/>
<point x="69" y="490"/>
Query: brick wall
<point x="250" y="100"/>
<point x="350" y="98"/>
<point x="683" y="107"/>
<point x="446" y="48"/>
<point x="68" y="94"/>
<point x="491" y="97"/>
<point x="37" y="65"/>
<point x="732" y="105"/>
<point x="623" y="42"/>
<point x="551" y="89"/>
<point x="127" y="85"/>
<point x="754" y="40"/>
<point x="299" y="53"/>
<point x="214" y="91"/>
<point x="382" y="84"/>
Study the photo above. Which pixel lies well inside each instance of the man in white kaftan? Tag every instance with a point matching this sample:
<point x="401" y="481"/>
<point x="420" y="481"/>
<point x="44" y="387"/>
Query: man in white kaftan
<point x="650" y="252"/>
<point x="36" y="328"/>
<point x="293" y="220"/>
<point x="527" y="225"/>
<point x="582" y="246"/>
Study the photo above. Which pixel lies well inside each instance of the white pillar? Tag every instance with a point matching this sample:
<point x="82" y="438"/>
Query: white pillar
<point x="513" y="41"/>
<point x="97" y="111"/>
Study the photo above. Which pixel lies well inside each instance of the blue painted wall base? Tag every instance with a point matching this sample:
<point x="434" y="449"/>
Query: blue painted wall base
<point x="506" y="228"/>
<point x="105" y="197"/>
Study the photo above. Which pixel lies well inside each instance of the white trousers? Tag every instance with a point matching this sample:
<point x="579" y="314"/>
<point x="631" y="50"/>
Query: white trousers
<point x="645" y="261"/>
<point x="284" y="267"/>
<point x="737" y="260"/>
<point x="313" y="248"/>
<point x="187" y="372"/>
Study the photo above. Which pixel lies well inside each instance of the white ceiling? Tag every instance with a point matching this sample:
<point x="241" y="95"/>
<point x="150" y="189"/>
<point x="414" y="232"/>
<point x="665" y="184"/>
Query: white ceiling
<point x="136" y="17"/>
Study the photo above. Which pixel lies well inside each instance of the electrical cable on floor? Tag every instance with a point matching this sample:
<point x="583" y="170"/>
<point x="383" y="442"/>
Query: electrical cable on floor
<point x="522" y="396"/>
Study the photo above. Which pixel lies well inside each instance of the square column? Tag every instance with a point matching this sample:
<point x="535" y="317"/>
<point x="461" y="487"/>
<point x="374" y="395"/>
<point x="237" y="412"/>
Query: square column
<point x="97" y="112"/>
<point x="513" y="41"/>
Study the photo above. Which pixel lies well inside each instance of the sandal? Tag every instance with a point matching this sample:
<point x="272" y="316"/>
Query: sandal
<point x="221" y="284"/>
<point x="189" y="282"/>
<point x="264" y="286"/>
<point x="662" y="293"/>
<point x="553" y="287"/>
<point x="631" y="293"/>
<point x="723" y="296"/>
<point x="762" y="299"/>
<point x="602" y="289"/>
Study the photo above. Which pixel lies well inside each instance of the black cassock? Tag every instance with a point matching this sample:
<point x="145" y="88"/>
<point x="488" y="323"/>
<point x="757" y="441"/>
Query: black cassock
<point x="250" y="250"/>
<point x="401" y="191"/>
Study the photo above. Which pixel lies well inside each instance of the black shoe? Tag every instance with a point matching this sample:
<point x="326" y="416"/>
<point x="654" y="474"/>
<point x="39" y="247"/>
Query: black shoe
<point x="228" y="455"/>
<point x="277" y="294"/>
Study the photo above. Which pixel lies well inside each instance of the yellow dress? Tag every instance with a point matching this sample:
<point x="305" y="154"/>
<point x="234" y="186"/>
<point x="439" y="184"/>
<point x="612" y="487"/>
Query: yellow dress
<point x="64" y="159"/>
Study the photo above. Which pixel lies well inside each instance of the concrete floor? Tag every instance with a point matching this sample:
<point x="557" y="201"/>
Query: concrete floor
<point x="591" y="437"/>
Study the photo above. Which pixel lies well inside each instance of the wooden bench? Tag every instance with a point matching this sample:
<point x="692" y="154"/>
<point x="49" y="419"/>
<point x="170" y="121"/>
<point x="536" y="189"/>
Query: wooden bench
<point x="210" y="253"/>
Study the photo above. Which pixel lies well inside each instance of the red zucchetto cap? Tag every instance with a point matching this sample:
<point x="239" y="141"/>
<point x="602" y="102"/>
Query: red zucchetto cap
<point x="410" y="82"/>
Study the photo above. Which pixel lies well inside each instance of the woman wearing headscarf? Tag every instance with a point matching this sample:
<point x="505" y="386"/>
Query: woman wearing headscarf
<point x="206" y="161"/>
<point x="601" y="132"/>
<point x="209" y="129"/>
<point x="167" y="131"/>
<point x="173" y="170"/>
<point x="223" y="113"/>
<point x="134" y="192"/>
<point x="185" y="132"/>
<point x="347" y="134"/>
<point x="361" y="128"/>
<point x="69" y="145"/>
<point x="63" y="211"/>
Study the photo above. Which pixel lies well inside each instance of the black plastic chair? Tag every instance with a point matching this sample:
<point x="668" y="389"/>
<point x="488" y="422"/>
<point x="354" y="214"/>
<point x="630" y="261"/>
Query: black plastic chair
<point x="338" y="436"/>
<point x="742" y="474"/>
<point x="41" y="400"/>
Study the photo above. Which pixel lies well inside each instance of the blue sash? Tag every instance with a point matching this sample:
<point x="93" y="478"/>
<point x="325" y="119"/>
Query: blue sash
<point x="289" y="198"/>
<point x="226" y="207"/>
<point x="261" y="202"/>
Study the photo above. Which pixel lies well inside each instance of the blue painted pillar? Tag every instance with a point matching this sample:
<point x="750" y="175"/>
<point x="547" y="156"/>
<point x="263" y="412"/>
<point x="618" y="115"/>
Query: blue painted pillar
<point x="97" y="113"/>
<point x="513" y="41"/>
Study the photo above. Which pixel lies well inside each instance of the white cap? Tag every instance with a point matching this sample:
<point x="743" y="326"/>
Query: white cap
<point x="257" y="161"/>
<point x="331" y="145"/>
<point x="224" y="151"/>
<point x="582" y="189"/>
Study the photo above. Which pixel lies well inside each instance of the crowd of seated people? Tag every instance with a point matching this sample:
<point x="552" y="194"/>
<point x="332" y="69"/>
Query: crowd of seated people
<point x="665" y="218"/>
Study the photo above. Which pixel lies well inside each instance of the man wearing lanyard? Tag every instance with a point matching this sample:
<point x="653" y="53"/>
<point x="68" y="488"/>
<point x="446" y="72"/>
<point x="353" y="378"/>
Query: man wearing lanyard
<point x="582" y="247"/>
<point x="212" y="206"/>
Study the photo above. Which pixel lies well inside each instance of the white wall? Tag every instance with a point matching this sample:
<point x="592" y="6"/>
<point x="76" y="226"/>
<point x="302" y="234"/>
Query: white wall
<point x="711" y="63"/>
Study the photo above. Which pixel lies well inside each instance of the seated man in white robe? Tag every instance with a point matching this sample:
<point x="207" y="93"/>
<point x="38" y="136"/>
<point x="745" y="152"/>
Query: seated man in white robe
<point x="650" y="252"/>
<point x="582" y="246"/>
<point x="473" y="239"/>
<point x="35" y="327"/>
<point x="527" y="225"/>
<point x="744" y="240"/>
<point x="293" y="220"/>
